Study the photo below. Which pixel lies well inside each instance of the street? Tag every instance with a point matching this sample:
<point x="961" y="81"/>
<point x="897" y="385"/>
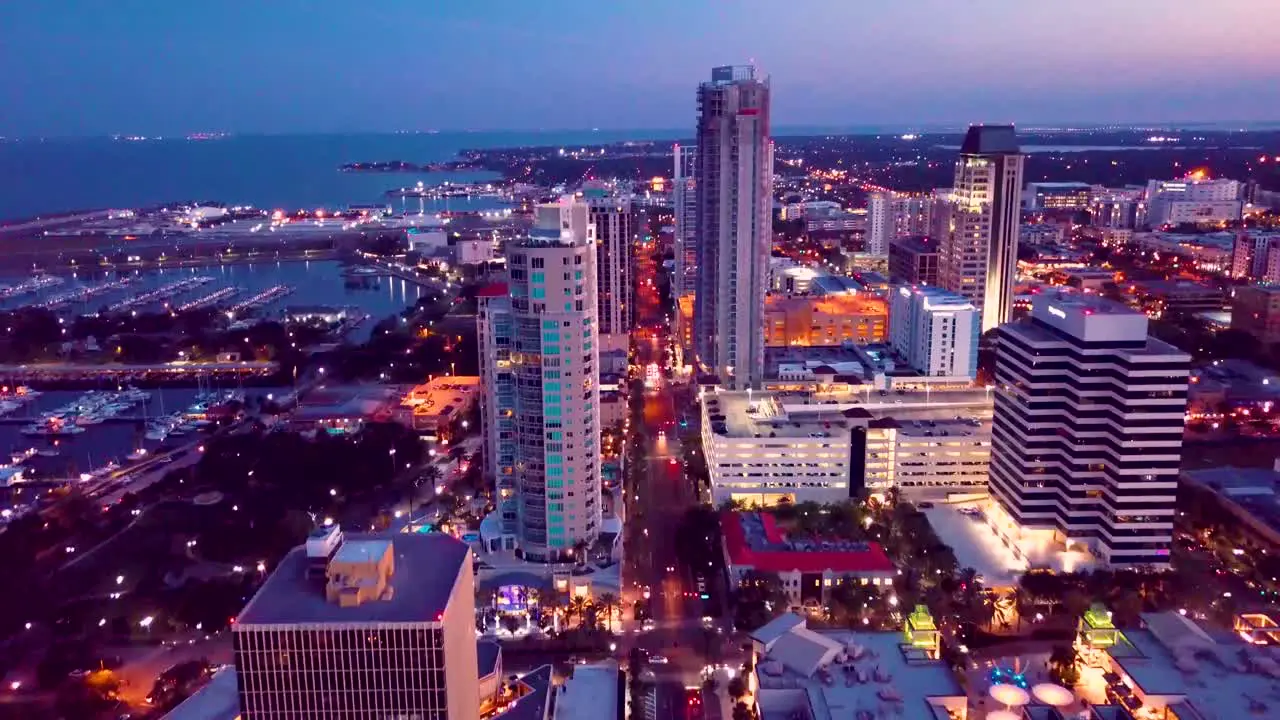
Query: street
<point x="656" y="507"/>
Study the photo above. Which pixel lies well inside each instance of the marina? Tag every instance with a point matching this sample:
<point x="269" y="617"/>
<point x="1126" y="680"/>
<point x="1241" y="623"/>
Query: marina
<point x="310" y="282"/>
<point x="266" y="297"/>
<point x="68" y="434"/>
<point x="84" y="294"/>
<point x="212" y="299"/>
<point x="30" y="286"/>
<point x="163" y="293"/>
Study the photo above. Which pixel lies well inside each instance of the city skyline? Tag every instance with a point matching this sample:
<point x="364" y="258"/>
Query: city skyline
<point x="294" y="68"/>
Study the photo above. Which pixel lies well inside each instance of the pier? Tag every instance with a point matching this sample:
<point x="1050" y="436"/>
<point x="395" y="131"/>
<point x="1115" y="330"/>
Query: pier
<point x="271" y="294"/>
<point x="26" y="287"/>
<point x="212" y="298"/>
<point x="85" y="293"/>
<point x="162" y="293"/>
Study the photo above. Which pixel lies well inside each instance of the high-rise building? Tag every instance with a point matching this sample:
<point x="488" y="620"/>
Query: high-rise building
<point x="362" y="628"/>
<point x="880" y="223"/>
<point x="978" y="256"/>
<point x="615" y="223"/>
<point x="497" y="413"/>
<point x="734" y="188"/>
<point x="935" y="331"/>
<point x="684" y="201"/>
<point x="1087" y="432"/>
<point x="555" y="362"/>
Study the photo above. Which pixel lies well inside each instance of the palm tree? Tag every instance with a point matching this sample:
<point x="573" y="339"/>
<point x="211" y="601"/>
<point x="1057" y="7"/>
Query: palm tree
<point x="577" y="607"/>
<point x="608" y="602"/>
<point x="1062" y="665"/>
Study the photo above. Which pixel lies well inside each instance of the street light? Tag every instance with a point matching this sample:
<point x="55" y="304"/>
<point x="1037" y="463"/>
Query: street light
<point x="146" y="621"/>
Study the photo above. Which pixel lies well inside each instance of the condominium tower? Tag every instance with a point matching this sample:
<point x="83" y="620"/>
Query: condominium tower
<point x="880" y="223"/>
<point x="684" y="201"/>
<point x="1087" y="432"/>
<point x="555" y="363"/>
<point x="935" y="330"/>
<point x="615" y="223"/>
<point x="494" y="333"/>
<point x="734" y="195"/>
<point x="978" y="255"/>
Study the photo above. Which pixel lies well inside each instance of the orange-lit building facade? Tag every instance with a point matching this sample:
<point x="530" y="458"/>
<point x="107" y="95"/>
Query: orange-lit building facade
<point x="825" y="320"/>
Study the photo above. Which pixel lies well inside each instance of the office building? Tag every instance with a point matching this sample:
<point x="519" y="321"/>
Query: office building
<point x="1057" y="196"/>
<point x="615" y="223"/>
<point x="734" y="189"/>
<point x="1255" y="309"/>
<point x="935" y="331"/>
<point x="1086" y="433"/>
<point x="1116" y="208"/>
<point x="1194" y="199"/>
<point x="880" y="223"/>
<point x="362" y="627"/>
<point x="978" y="256"/>
<point x="913" y="260"/>
<point x="494" y="333"/>
<point x="555" y="363"/>
<point x="1256" y="256"/>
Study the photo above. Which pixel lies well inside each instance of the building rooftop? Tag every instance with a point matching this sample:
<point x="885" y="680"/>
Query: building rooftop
<point x="804" y="673"/>
<point x="217" y="700"/>
<point x="1061" y="185"/>
<point x="1217" y="674"/>
<point x="754" y="540"/>
<point x="1255" y="490"/>
<point x="426" y="569"/>
<point x="590" y="693"/>
<point x="916" y="243"/>
<point x="487" y="655"/>
<point x="498" y="289"/>
<point x="535" y="702"/>
<point x="990" y="140"/>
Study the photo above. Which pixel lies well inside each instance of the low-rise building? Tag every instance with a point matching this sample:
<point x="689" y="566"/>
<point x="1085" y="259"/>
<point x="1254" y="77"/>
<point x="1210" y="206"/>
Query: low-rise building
<point x="1057" y="196"/>
<point x="1252" y="495"/>
<point x="1041" y="234"/>
<point x="435" y="405"/>
<point x="807" y="568"/>
<point x="833" y="675"/>
<point x="824" y="320"/>
<point x="1161" y="298"/>
<point x="1255" y="309"/>
<point x="1174" y="667"/>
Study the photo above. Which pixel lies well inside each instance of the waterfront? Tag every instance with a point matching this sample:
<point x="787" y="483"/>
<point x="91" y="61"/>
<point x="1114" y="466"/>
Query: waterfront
<point x="101" y="443"/>
<point x="267" y="171"/>
<point x="314" y="282"/>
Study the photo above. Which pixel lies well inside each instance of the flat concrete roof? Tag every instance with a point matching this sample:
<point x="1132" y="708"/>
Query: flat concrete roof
<point x="426" y="568"/>
<point x="590" y="694"/>
<point x="1216" y="679"/>
<point x="913" y="677"/>
<point x="801" y="414"/>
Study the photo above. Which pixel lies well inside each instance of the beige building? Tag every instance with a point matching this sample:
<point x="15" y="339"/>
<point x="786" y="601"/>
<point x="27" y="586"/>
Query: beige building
<point x="825" y="320"/>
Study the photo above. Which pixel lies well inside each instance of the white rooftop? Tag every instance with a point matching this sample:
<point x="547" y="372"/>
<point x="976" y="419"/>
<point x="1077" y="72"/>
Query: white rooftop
<point x="590" y="694"/>
<point x="1220" y="676"/>
<point x="884" y="669"/>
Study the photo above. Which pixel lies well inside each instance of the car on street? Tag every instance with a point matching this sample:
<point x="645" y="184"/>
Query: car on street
<point x="658" y="660"/>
